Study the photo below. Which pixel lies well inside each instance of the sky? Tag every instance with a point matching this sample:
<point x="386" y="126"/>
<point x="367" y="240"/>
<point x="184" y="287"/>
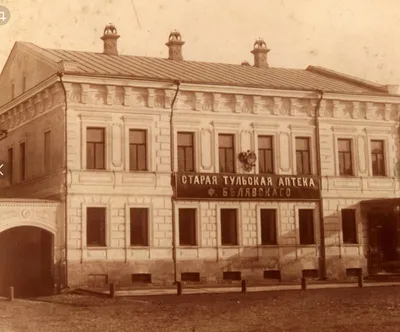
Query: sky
<point x="356" y="37"/>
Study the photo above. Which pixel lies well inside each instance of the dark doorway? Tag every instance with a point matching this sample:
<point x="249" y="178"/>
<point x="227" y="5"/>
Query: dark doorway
<point x="383" y="242"/>
<point x="26" y="261"/>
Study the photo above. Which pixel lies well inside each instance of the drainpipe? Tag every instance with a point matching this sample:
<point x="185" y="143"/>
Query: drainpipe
<point x="60" y="75"/>
<point x="173" y="179"/>
<point x="322" y="252"/>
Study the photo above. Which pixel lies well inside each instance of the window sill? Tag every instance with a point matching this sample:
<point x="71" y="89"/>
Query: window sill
<point x="269" y="245"/>
<point x="351" y="244"/>
<point x="139" y="247"/>
<point x="186" y="246"/>
<point x="308" y="245"/>
<point x="230" y="246"/>
<point x="96" y="247"/>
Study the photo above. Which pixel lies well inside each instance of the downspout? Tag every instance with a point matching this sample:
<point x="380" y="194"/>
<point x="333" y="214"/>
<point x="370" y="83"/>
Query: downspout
<point x="60" y="75"/>
<point x="173" y="178"/>
<point x="322" y="249"/>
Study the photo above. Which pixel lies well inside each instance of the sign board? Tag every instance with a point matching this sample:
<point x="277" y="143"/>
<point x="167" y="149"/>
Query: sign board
<point x="210" y="186"/>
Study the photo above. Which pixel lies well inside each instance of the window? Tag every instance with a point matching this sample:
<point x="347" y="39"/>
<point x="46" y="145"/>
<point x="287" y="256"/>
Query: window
<point x="268" y="226"/>
<point x="137" y="150"/>
<point x="303" y="160"/>
<point x="345" y="157"/>
<point x="226" y="153"/>
<point x="47" y="151"/>
<point x="378" y="158"/>
<point x="139" y="226"/>
<point x="24" y="83"/>
<point x="229" y="232"/>
<point x="187" y="227"/>
<point x="96" y="227"/>
<point x="22" y="161"/>
<point x="265" y="155"/>
<point x="95" y="148"/>
<point x="349" y="226"/>
<point x="306" y="226"/>
<point x="10" y="154"/>
<point x="185" y="152"/>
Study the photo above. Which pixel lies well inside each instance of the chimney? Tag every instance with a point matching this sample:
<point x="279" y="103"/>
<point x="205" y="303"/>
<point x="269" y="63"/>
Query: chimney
<point x="175" y="46"/>
<point x="110" y="38"/>
<point x="260" y="52"/>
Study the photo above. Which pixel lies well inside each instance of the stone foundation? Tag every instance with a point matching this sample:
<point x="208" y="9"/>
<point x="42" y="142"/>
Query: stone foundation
<point x="162" y="271"/>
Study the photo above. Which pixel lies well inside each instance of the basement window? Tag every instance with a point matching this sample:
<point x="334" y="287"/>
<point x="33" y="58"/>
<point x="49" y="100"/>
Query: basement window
<point x="190" y="276"/>
<point x="141" y="278"/>
<point x="272" y="274"/>
<point x="232" y="275"/>
<point x="310" y="274"/>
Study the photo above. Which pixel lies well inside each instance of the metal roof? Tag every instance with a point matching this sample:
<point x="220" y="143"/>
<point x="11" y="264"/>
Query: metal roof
<point x="140" y="67"/>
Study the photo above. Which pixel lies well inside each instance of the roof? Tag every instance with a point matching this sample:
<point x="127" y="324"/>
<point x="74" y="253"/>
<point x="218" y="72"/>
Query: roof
<point x="140" y="67"/>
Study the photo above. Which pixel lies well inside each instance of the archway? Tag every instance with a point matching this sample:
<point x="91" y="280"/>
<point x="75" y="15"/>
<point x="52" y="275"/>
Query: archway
<point x="26" y="261"/>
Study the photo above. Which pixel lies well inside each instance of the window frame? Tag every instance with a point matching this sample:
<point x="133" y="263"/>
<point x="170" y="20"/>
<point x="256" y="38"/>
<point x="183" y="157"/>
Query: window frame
<point x="22" y="169"/>
<point x="234" y="152"/>
<point x="196" y="228"/>
<point x="193" y="147"/>
<point x="140" y="122"/>
<point x="148" y="238"/>
<point x="146" y="145"/>
<point x="314" y="223"/>
<point x="106" y="226"/>
<point x="150" y="225"/>
<point x="356" y="237"/>
<point x="104" y="129"/>
<point x="310" y="154"/>
<point x="384" y="157"/>
<point x="273" y="144"/>
<point x="47" y="166"/>
<point x="238" y="228"/>
<point x="275" y="222"/>
<point x="351" y="153"/>
<point x="11" y="165"/>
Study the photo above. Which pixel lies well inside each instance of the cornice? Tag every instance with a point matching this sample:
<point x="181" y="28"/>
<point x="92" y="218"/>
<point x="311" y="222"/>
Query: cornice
<point x="29" y="94"/>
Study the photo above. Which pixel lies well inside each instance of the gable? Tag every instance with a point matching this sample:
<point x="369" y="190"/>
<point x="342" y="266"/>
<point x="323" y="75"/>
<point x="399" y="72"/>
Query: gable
<point x="24" y="61"/>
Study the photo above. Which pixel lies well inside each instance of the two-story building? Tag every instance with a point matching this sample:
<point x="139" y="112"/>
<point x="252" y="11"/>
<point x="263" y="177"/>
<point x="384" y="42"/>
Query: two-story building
<point x="135" y="169"/>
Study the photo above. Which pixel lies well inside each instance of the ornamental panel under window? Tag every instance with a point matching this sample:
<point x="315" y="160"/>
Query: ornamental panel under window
<point x="378" y="158"/>
<point x="138" y="150"/>
<point x="345" y="157"/>
<point x="187" y="227"/>
<point x="306" y="226"/>
<point x="265" y="155"/>
<point x="268" y="226"/>
<point x="229" y="227"/>
<point x="185" y="152"/>
<point x="226" y="153"/>
<point x="96" y="227"/>
<point x="139" y="221"/>
<point x="303" y="157"/>
<point x="95" y="148"/>
<point x="349" y="226"/>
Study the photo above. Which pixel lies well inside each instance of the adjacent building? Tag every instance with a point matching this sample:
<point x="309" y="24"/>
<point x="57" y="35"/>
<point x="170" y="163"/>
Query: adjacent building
<point x="134" y="169"/>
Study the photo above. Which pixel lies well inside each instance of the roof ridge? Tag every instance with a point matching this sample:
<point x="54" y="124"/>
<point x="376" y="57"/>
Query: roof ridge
<point x="347" y="78"/>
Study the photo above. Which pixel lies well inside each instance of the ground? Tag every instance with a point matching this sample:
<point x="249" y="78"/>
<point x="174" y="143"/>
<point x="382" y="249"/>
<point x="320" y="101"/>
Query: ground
<point x="349" y="309"/>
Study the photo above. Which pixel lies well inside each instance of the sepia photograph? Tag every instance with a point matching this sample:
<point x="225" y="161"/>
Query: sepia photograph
<point x="199" y="166"/>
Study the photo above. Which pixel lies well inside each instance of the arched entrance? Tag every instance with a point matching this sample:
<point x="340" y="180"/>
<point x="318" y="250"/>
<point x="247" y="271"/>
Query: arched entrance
<point x="26" y="261"/>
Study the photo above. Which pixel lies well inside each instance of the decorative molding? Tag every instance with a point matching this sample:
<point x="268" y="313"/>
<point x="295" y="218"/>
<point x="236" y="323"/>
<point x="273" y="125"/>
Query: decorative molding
<point x="264" y="126"/>
<point x="226" y="124"/>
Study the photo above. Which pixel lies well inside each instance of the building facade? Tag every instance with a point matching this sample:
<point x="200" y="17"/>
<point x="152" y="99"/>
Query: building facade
<point x="160" y="170"/>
